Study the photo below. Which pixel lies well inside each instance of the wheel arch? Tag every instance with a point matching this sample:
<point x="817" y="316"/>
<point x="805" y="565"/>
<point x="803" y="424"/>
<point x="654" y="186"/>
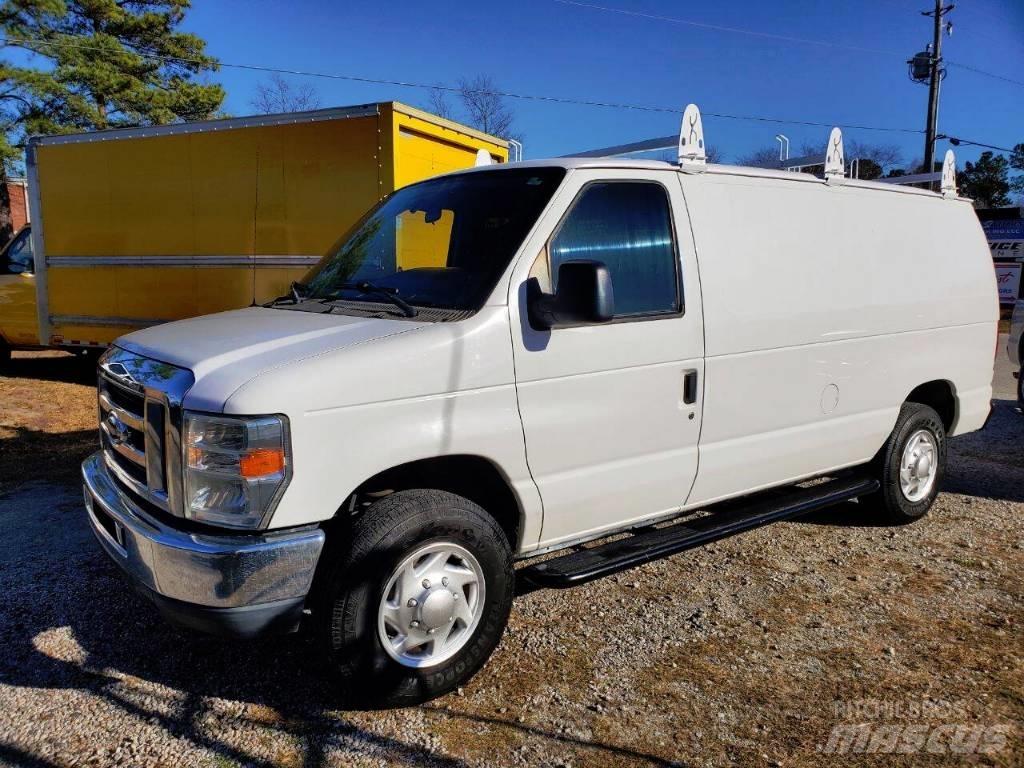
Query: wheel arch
<point x="940" y="395"/>
<point x="472" y="476"/>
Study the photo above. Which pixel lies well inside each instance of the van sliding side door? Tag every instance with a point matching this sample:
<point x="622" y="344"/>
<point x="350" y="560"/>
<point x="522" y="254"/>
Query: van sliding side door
<point x="612" y="412"/>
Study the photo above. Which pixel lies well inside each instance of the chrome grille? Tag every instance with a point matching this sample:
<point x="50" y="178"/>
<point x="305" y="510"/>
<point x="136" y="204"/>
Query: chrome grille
<point x="140" y="425"/>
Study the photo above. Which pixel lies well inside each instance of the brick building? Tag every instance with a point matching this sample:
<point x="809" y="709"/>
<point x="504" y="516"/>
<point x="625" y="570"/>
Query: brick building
<point x="14" y="194"/>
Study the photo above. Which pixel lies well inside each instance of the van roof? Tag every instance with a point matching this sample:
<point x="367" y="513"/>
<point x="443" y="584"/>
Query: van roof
<point x="711" y="168"/>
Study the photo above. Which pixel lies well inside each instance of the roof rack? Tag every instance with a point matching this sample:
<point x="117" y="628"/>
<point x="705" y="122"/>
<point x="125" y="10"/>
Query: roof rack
<point x="692" y="155"/>
<point x="946" y="177"/>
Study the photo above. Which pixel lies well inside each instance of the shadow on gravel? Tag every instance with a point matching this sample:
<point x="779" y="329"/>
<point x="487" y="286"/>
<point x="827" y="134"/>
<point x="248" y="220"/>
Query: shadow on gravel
<point x="54" y="578"/>
<point x="632" y="755"/>
<point x="58" y="366"/>
<point x="13" y="756"/>
<point x="57" y="456"/>
<point x="990" y="463"/>
<point x="849" y="514"/>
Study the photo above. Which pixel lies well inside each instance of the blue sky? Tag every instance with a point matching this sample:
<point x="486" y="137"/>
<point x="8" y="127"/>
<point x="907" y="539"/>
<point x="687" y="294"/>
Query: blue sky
<point x="548" y="48"/>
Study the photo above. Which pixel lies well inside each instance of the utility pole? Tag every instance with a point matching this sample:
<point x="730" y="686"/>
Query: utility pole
<point x="935" y="75"/>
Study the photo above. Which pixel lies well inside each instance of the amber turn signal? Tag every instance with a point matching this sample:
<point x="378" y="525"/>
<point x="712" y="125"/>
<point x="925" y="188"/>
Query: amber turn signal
<point x="261" y="462"/>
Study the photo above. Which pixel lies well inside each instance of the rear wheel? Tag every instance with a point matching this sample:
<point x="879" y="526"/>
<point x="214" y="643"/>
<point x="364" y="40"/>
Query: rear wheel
<point x="911" y="465"/>
<point x="419" y="601"/>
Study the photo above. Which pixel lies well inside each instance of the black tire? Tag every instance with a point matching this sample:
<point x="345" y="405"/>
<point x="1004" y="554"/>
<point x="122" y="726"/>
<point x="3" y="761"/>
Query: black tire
<point x="5" y="357"/>
<point x="1020" y="387"/>
<point x="388" y="532"/>
<point x="890" y="501"/>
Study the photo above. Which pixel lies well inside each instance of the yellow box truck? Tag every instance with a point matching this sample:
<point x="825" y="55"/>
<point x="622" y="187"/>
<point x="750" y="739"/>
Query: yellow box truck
<point x="140" y="226"/>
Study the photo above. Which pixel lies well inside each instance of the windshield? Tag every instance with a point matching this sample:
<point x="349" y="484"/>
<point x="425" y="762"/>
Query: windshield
<point x="441" y="243"/>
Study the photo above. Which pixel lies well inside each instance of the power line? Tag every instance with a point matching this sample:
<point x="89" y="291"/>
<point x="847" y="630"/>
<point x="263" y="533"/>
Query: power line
<point x="982" y="72"/>
<point x="27" y="43"/>
<point x="721" y="28"/>
<point x="956" y="141"/>
<point x="772" y="36"/>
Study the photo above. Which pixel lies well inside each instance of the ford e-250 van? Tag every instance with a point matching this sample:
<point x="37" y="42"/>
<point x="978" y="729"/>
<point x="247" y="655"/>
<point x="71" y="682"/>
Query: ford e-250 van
<point x="510" y="360"/>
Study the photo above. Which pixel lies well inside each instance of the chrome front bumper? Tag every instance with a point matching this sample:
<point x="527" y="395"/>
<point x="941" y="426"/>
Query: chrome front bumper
<point x="240" y="582"/>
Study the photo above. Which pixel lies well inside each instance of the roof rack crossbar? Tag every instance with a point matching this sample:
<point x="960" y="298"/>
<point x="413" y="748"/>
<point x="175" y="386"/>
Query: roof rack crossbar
<point x="913" y="178"/>
<point x="645" y="145"/>
<point x="804" y="161"/>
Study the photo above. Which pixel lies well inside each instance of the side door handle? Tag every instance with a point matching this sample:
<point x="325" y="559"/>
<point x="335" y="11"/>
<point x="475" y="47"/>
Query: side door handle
<point x="690" y="387"/>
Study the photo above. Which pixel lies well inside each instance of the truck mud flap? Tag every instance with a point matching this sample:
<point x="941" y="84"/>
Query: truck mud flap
<point x="654" y="543"/>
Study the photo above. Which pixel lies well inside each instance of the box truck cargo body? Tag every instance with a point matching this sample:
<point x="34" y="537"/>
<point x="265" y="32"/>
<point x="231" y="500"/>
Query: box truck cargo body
<point x="136" y="227"/>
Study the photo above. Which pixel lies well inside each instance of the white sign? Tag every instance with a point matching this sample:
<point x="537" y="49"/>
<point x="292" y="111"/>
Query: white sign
<point x="1008" y="280"/>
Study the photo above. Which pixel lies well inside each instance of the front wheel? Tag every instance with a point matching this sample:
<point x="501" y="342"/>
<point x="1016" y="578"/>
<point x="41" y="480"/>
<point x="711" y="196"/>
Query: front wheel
<point x="419" y="601"/>
<point x="911" y="465"/>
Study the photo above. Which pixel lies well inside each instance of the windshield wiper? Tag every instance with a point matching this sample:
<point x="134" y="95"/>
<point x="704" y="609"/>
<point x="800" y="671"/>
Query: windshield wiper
<point x="296" y="295"/>
<point x="369" y="289"/>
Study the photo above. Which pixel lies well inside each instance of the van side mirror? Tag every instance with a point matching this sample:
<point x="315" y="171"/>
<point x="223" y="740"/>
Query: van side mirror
<point x="584" y="296"/>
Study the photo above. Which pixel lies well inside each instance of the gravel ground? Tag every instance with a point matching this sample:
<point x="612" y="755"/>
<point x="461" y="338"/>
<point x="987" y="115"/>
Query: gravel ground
<point x="750" y="651"/>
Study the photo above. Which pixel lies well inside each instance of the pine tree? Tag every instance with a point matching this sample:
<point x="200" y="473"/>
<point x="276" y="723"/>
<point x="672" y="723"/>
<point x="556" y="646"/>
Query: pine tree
<point x="95" y="64"/>
<point x="986" y="181"/>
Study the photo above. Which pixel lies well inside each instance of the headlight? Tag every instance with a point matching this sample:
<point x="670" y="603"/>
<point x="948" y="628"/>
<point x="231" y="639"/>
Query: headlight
<point x="235" y="468"/>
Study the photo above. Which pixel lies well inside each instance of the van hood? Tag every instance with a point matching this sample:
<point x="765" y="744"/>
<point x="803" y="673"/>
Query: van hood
<point x="226" y="350"/>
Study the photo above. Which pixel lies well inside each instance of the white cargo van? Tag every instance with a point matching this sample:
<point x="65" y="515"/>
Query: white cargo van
<point x="581" y="347"/>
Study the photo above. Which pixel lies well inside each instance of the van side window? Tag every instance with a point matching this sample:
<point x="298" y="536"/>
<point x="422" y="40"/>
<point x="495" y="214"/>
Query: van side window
<point x="20" y="252"/>
<point x="628" y="226"/>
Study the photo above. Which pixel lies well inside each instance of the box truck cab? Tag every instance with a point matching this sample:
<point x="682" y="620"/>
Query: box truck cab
<point x="498" y="363"/>
<point x="18" y="326"/>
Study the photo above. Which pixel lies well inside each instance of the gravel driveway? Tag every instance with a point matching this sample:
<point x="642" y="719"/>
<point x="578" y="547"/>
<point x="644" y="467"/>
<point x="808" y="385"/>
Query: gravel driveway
<point x="757" y="650"/>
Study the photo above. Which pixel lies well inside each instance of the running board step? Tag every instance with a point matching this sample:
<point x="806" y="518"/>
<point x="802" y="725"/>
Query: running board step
<point x="589" y="564"/>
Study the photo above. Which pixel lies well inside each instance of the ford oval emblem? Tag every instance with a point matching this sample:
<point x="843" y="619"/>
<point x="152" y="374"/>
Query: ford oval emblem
<point x="117" y="429"/>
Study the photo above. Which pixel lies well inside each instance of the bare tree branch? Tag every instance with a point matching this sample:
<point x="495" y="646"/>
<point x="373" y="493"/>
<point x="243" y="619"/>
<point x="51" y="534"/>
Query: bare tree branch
<point x="886" y="156"/>
<point x="277" y="95"/>
<point x="766" y="157"/>
<point x="486" y="110"/>
<point x="440" y="105"/>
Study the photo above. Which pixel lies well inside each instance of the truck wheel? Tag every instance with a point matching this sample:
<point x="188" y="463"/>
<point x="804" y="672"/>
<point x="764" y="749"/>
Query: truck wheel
<point x="911" y="465"/>
<point x="419" y="601"/>
<point x="1020" y="387"/>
